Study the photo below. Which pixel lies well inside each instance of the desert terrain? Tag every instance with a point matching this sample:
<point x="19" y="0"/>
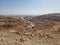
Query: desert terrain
<point x="37" y="30"/>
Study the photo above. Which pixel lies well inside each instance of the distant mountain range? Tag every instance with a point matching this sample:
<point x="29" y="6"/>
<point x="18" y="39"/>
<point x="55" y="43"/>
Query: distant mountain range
<point x="47" y="17"/>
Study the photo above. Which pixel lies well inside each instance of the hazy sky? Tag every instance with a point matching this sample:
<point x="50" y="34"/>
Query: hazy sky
<point x="29" y="6"/>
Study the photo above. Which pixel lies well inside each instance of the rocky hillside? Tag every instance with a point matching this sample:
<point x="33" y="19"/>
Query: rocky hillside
<point x="40" y="30"/>
<point x="47" y="17"/>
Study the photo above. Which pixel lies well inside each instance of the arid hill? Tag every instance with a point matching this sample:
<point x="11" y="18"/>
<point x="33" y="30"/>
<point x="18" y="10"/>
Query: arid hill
<point x="47" y="17"/>
<point x="39" y="30"/>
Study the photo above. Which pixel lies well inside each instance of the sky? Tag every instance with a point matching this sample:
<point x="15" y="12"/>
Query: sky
<point x="29" y="7"/>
